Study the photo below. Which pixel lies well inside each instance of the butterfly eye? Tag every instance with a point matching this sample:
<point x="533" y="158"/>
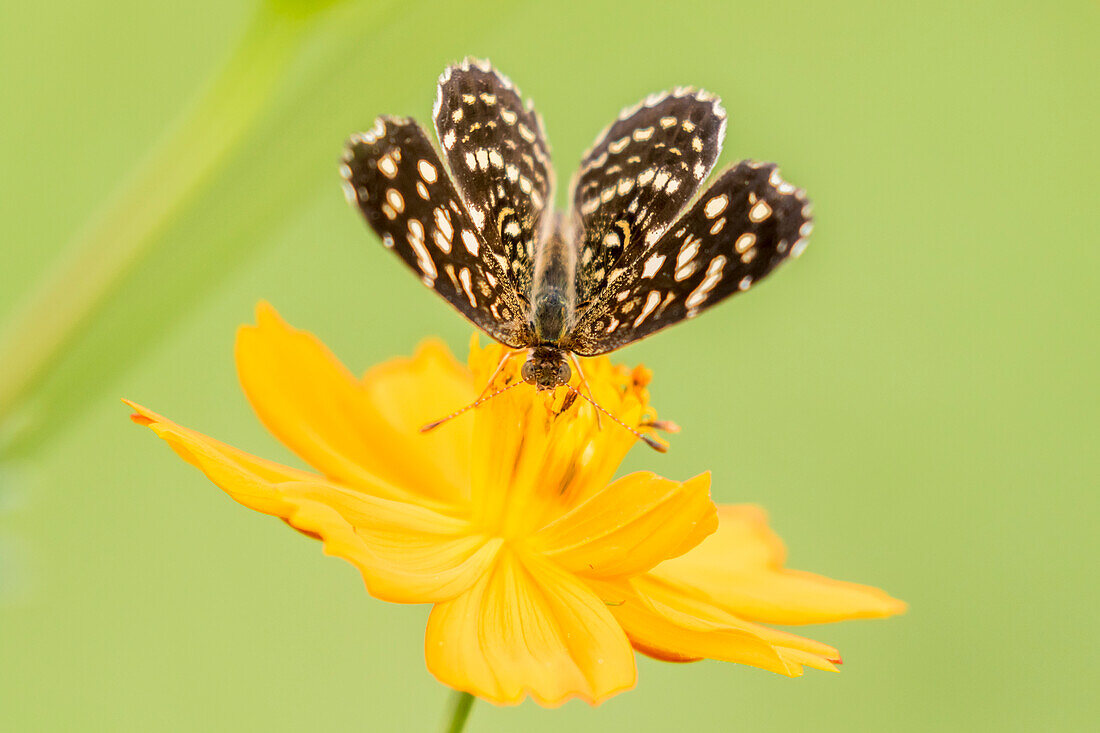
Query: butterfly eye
<point x="564" y="373"/>
<point x="527" y="371"/>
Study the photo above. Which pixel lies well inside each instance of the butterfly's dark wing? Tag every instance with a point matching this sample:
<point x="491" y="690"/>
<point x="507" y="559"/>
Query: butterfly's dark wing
<point x="641" y="172"/>
<point x="498" y="154"/>
<point x="396" y="178"/>
<point x="748" y="222"/>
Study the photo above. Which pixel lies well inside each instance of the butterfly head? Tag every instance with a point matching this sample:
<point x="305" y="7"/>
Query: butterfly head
<point x="546" y="368"/>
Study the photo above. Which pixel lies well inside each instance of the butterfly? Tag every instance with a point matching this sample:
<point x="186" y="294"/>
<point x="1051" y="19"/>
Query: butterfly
<point x="637" y="251"/>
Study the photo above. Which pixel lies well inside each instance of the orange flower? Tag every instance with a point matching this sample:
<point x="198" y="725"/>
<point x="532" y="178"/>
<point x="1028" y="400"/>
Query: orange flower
<point x="543" y="572"/>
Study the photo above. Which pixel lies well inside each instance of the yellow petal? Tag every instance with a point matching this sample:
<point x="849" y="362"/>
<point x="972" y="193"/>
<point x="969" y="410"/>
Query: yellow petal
<point x="673" y="635"/>
<point x="405" y="552"/>
<point x="740" y="569"/>
<point x="630" y="526"/>
<point x="529" y="628"/>
<point x="256" y="475"/>
<point x="692" y="611"/>
<point x="351" y="429"/>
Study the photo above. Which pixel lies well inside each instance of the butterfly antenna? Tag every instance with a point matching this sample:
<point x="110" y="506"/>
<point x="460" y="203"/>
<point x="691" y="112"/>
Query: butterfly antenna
<point x="483" y="398"/>
<point x="651" y="442"/>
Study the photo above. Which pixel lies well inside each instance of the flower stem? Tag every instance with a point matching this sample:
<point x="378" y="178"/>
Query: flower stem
<point x="461" y="702"/>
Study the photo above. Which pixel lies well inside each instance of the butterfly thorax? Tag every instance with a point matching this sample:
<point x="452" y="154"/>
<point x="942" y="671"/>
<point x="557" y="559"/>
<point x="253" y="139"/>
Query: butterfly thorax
<point x="553" y="289"/>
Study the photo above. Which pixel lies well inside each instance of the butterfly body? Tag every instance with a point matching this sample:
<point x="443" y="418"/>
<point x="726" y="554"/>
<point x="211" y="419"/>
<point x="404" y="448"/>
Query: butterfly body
<point x="553" y="289"/>
<point x="640" y="248"/>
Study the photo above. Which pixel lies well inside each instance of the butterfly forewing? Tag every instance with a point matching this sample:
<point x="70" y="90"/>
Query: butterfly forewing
<point x="396" y="178"/>
<point x="748" y="222"/>
<point x="498" y="154"/>
<point x="638" y="176"/>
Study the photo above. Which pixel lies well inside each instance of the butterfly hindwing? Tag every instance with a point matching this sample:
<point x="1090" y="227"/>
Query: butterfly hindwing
<point x="498" y="154"/>
<point x="748" y="222"/>
<point x="397" y="180"/>
<point x="638" y="176"/>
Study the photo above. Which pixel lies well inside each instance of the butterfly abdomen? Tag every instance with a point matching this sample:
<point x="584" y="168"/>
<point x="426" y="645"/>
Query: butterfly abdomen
<point x="553" y="290"/>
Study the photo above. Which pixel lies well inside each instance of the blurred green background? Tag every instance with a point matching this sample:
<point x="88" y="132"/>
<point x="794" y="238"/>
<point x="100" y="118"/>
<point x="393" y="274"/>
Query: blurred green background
<point x="914" y="401"/>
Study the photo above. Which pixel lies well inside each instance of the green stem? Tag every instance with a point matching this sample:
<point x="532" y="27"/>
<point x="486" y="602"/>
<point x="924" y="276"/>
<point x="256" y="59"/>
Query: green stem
<point x="130" y="221"/>
<point x="461" y="702"/>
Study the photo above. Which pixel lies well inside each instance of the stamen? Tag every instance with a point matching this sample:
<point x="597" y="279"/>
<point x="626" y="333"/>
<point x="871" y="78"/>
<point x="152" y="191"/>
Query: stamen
<point x="651" y="442"/>
<point x="472" y="405"/>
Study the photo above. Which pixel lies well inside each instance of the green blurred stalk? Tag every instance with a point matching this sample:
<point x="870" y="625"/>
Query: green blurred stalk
<point x="461" y="703"/>
<point x="126" y="226"/>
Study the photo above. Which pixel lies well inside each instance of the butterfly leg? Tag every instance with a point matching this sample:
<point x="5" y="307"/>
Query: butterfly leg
<point x="584" y="381"/>
<point x="496" y="372"/>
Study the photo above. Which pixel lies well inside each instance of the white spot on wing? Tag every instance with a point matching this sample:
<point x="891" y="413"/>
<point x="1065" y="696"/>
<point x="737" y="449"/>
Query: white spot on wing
<point x="478" y="216"/>
<point x="760" y="211"/>
<point x="469" y="239"/>
<point x="427" y="171"/>
<point x="683" y="273"/>
<point x="387" y="165"/>
<point x="652" y="265"/>
<point x="443" y="223"/>
<point x="423" y="259"/>
<point x="467" y="285"/>
<point x="716" y="206"/>
<point x="442" y="242"/>
<point x="395" y="199"/>
<point x="651" y="302"/>
<point x="688" y="250"/>
<point x="713" y="276"/>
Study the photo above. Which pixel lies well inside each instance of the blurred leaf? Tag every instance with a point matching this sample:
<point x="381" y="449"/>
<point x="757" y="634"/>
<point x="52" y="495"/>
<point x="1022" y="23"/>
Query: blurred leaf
<point x="249" y="185"/>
